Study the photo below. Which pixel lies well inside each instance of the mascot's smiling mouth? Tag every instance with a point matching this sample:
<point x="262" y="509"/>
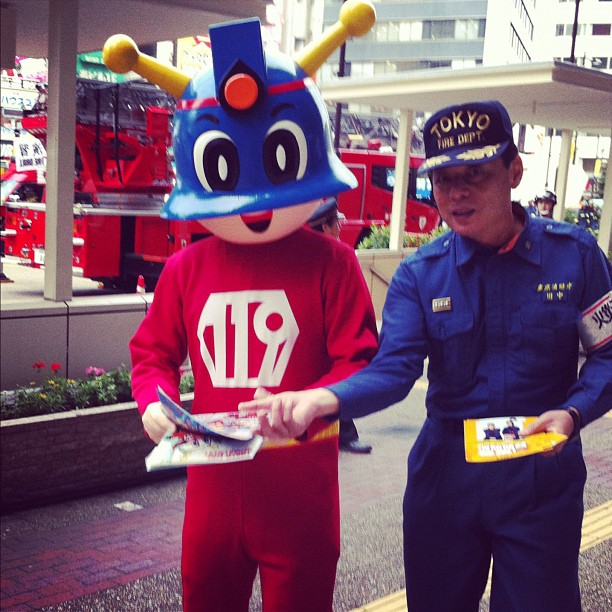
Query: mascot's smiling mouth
<point x="257" y="222"/>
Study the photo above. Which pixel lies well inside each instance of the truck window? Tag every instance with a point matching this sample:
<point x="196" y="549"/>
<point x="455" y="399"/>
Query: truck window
<point x="383" y="177"/>
<point x="30" y="192"/>
<point x="419" y="187"/>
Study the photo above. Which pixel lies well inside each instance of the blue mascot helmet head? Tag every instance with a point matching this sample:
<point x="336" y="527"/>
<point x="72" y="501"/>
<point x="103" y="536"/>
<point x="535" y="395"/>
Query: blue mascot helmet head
<point x="252" y="133"/>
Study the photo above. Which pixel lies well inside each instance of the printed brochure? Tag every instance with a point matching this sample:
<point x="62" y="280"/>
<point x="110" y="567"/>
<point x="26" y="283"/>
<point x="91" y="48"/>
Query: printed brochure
<point x="497" y="439"/>
<point x="234" y="425"/>
<point x="203" y="439"/>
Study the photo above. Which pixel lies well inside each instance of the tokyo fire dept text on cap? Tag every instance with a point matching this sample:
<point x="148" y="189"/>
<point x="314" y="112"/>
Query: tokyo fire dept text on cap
<point x="466" y="134"/>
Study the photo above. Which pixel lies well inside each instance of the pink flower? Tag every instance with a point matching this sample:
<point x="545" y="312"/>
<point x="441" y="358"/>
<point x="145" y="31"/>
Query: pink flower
<point x="55" y="367"/>
<point x="93" y="371"/>
<point x="39" y="365"/>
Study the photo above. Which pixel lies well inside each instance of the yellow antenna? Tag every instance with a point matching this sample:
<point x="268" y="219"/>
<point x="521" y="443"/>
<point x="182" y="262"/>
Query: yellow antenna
<point x="121" y="55"/>
<point x="356" y="19"/>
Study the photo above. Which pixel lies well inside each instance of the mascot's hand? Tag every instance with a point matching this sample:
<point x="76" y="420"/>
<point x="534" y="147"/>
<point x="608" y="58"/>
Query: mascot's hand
<point x="156" y="423"/>
<point x="289" y="414"/>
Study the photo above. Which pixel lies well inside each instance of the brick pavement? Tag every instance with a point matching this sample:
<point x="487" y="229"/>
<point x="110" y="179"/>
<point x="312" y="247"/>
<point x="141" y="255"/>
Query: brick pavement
<point x="46" y="564"/>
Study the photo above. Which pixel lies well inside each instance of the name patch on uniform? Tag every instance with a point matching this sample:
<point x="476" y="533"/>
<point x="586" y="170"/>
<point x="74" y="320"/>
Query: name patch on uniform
<point x="595" y="327"/>
<point x="441" y="304"/>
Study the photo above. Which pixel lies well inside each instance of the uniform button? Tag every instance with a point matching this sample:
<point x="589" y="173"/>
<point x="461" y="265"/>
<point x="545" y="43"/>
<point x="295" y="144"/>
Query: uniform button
<point x="446" y="243"/>
<point x="528" y="245"/>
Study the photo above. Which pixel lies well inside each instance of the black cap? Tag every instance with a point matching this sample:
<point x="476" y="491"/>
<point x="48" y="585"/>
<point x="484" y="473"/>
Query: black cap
<point x="327" y="208"/>
<point x="466" y="134"/>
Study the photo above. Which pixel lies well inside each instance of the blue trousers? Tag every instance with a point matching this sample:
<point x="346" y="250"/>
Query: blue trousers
<point x="526" y="514"/>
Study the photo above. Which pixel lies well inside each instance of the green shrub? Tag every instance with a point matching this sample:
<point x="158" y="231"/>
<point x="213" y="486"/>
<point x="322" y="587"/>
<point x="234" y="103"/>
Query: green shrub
<point x="59" y="394"/>
<point x="380" y="236"/>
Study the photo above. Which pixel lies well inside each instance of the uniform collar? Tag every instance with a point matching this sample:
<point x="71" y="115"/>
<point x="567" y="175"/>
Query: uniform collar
<point x="528" y="245"/>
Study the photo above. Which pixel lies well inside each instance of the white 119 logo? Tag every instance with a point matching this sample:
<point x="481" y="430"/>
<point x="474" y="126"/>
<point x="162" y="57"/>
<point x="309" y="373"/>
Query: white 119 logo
<point x="278" y="342"/>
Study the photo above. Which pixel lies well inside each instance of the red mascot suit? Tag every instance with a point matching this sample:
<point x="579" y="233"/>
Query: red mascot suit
<point x="263" y="302"/>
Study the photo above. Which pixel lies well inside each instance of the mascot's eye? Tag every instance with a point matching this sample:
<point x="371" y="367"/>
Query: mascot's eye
<point x="216" y="161"/>
<point x="285" y="152"/>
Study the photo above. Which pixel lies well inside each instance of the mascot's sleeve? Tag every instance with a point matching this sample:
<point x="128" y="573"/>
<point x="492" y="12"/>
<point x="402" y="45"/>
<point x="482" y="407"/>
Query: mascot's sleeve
<point x="352" y="339"/>
<point x="157" y="356"/>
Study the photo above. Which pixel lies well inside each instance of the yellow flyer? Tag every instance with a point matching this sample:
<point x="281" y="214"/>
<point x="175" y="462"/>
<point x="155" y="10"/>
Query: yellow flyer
<point x="497" y="439"/>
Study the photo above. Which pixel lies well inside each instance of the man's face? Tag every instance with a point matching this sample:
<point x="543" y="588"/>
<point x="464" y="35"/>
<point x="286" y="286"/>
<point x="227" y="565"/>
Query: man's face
<point x="332" y="227"/>
<point x="475" y="200"/>
<point x="546" y="208"/>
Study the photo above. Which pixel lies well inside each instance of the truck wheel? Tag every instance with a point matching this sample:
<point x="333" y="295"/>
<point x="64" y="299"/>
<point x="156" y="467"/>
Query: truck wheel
<point x="150" y="283"/>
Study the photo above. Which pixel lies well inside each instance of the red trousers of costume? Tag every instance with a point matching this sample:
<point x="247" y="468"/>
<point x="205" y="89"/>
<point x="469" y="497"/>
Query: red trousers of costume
<point x="279" y="513"/>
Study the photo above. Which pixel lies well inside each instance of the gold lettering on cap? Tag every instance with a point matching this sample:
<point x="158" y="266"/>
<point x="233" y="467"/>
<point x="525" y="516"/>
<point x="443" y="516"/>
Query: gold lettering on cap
<point x="457" y="121"/>
<point x="447" y="141"/>
<point x="445" y="124"/>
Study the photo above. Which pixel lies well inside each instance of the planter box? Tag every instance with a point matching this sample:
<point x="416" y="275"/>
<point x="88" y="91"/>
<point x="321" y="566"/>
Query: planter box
<point x="50" y="458"/>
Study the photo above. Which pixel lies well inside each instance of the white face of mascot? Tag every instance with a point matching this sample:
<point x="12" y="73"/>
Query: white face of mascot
<point x="257" y="228"/>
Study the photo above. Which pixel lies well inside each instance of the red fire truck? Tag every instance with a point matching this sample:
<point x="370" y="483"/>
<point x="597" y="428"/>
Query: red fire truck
<point x="123" y="172"/>
<point x="371" y="201"/>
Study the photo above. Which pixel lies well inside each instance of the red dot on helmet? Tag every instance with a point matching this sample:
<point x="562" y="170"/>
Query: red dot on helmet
<point x="241" y="91"/>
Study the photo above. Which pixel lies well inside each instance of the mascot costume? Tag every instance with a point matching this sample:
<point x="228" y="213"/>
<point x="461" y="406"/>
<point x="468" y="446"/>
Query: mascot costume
<point x="263" y="302"/>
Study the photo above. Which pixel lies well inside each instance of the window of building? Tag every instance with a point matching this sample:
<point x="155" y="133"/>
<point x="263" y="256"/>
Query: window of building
<point x="393" y="32"/>
<point x="439" y="29"/>
<point x="410" y="30"/>
<point x="565" y="29"/>
<point x="469" y="29"/>
<point x="601" y="63"/>
<point x="601" y="29"/>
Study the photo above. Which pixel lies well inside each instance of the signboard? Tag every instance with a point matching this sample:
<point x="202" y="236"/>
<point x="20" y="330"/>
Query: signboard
<point x="193" y="54"/>
<point x="30" y="154"/>
<point x="17" y="93"/>
<point x="91" y="66"/>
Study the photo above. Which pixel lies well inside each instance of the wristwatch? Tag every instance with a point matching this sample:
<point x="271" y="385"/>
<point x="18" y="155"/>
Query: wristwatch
<point x="577" y="419"/>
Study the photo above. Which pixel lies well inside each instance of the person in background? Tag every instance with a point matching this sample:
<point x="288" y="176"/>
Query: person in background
<point x="497" y="305"/>
<point x="327" y="219"/>
<point x="545" y="203"/>
<point x="588" y="217"/>
<point x="532" y="209"/>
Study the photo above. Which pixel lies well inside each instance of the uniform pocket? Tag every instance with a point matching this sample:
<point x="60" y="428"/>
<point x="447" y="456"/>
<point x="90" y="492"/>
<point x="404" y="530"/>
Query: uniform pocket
<point x="453" y="347"/>
<point x="548" y="335"/>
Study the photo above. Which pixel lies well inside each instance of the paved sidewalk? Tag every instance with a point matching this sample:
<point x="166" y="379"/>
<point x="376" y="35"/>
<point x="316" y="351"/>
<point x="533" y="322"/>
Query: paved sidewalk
<point x="90" y="555"/>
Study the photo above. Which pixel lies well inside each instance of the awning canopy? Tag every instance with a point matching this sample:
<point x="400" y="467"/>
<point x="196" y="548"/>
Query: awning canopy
<point x="146" y="21"/>
<point x="551" y="94"/>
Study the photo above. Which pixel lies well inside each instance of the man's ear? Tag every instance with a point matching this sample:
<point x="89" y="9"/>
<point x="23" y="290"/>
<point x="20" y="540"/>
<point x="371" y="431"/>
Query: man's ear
<point x="516" y="171"/>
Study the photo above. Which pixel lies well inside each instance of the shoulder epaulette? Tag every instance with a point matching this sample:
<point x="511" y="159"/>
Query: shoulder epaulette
<point x="567" y="229"/>
<point x="437" y="247"/>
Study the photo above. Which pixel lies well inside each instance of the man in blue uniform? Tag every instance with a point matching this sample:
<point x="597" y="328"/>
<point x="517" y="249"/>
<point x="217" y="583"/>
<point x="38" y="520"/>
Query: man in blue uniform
<point x="497" y="305"/>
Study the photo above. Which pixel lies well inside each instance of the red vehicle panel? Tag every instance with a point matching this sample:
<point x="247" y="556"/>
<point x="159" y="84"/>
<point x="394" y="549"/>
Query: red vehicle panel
<point x="370" y="203"/>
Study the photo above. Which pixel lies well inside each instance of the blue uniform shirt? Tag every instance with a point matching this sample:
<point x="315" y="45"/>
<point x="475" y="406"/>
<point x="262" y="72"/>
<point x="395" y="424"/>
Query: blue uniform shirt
<point x="500" y="329"/>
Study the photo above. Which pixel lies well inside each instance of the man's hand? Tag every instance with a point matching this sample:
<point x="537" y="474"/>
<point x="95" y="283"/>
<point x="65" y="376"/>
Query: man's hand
<point x="156" y="423"/>
<point x="289" y="414"/>
<point x="556" y="421"/>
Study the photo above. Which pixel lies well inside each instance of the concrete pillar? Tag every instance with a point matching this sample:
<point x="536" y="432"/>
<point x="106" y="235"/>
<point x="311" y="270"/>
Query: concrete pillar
<point x="562" y="174"/>
<point x="400" y="191"/>
<point x="61" y="116"/>
<point x="605" y="223"/>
